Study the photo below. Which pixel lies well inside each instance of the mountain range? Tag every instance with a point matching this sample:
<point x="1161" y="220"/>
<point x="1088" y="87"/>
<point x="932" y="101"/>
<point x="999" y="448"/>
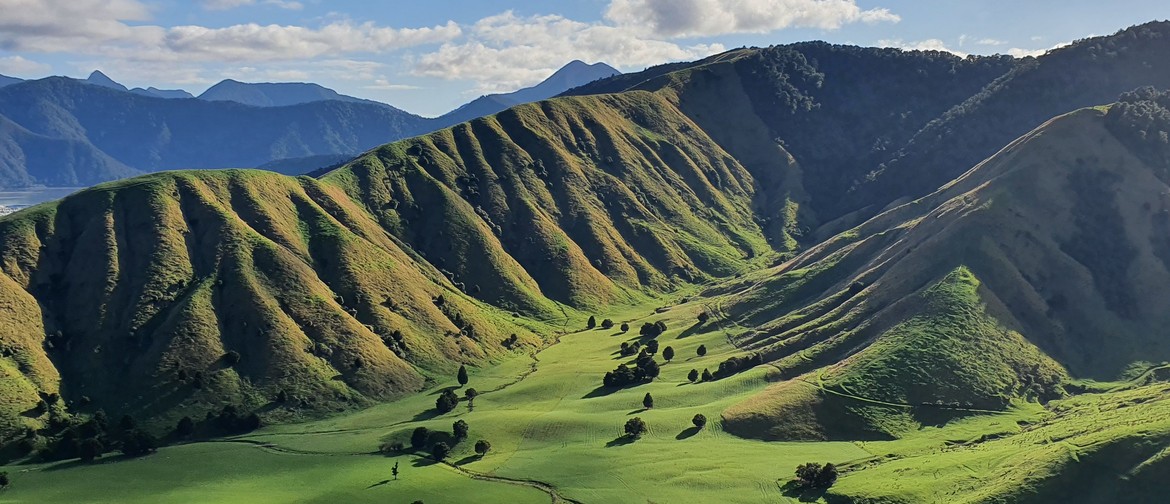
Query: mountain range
<point x="58" y="132"/>
<point x="892" y="242"/>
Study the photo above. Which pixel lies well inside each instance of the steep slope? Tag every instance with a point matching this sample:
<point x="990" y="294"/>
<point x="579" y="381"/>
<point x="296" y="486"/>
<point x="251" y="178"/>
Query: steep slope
<point x="1086" y="73"/>
<point x="174" y="94"/>
<point x="58" y="161"/>
<point x="7" y="81"/>
<point x="275" y="94"/>
<point x="97" y="78"/>
<point x="1046" y="257"/>
<point x="149" y="134"/>
<point x="176" y="293"/>
<point x="573" y="74"/>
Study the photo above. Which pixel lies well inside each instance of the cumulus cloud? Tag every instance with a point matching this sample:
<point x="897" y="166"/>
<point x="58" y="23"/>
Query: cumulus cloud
<point x="990" y="42"/>
<point x="231" y="4"/>
<point x="507" y="51"/>
<point x="695" y="18"/>
<point x="20" y="66"/>
<point x="253" y="42"/>
<point x="920" y="45"/>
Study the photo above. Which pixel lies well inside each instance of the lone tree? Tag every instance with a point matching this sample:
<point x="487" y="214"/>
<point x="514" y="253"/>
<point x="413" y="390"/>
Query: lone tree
<point x="394" y="470"/>
<point x="460" y="429"/>
<point x="471" y="394"/>
<point x="704" y="317"/>
<point x="707" y="375"/>
<point x="702" y="350"/>
<point x="591" y="323"/>
<point x="462" y="376"/>
<point x="607" y="324"/>
<point x="440" y="451"/>
<point x="418" y="438"/>
<point x="699" y="420"/>
<point x="668" y="353"/>
<point x="693" y="375"/>
<point x="625" y="326"/>
<point x="652" y="346"/>
<point x="482" y="447"/>
<point x="635" y="427"/>
<point x="446" y="401"/>
<point x="648" y="401"/>
<point x="813" y="475"/>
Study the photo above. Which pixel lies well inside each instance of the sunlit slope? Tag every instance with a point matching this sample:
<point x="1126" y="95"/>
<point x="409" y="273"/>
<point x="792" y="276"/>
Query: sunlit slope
<point x="577" y="199"/>
<point x="1041" y="261"/>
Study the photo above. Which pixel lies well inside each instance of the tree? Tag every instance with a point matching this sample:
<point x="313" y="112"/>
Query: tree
<point x="652" y="347"/>
<point x="648" y="401"/>
<point x="668" y="353"/>
<point x="446" y="401"/>
<point x="4" y="479"/>
<point x="482" y="447"/>
<point x="418" y="438"/>
<point x="827" y="477"/>
<point x="462" y="375"/>
<point x="806" y="474"/>
<point x="138" y="443"/>
<point x="394" y="470"/>
<point x="440" y="451"/>
<point x="591" y="323"/>
<point x="703" y="318"/>
<point x="459" y="429"/>
<point x="702" y="350"/>
<point x="127" y="423"/>
<point x="693" y="375"/>
<point x="607" y="324"/>
<point x="707" y="375"/>
<point x="625" y="327"/>
<point x="90" y="449"/>
<point x="471" y="394"/>
<point x="231" y="358"/>
<point x="699" y="420"/>
<point x="635" y="427"/>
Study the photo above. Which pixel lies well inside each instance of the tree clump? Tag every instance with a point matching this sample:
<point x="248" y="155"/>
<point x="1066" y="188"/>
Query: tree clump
<point x="440" y="451"/>
<point x="460" y="430"/>
<point x="645" y="370"/>
<point x="814" y="475"/>
<point x="652" y="330"/>
<point x="635" y="427"/>
<point x="446" y="401"/>
<point x="418" y="438"/>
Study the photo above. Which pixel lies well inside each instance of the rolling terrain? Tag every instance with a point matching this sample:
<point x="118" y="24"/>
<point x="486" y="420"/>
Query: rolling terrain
<point x="994" y="338"/>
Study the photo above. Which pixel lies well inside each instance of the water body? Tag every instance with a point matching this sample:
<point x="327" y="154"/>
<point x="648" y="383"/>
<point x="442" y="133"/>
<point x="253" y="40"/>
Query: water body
<point x="16" y="199"/>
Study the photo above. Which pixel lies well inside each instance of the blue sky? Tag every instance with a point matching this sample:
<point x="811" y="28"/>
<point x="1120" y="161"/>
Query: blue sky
<point x="428" y="57"/>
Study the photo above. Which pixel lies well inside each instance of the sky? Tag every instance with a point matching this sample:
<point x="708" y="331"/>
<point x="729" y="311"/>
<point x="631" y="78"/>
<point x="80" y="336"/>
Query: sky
<point x="429" y="57"/>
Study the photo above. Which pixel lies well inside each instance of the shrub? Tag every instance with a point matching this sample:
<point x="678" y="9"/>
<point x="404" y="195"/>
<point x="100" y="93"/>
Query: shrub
<point x="693" y="375"/>
<point x="186" y="427"/>
<point x="607" y="324"/>
<point x="482" y="447"/>
<point x="652" y="347"/>
<point x="668" y="353"/>
<point x="591" y="323"/>
<point x="460" y="429"/>
<point x="704" y="317"/>
<point x="625" y="327"/>
<point x="418" y="438"/>
<point x="699" y="420"/>
<point x="471" y="394"/>
<point x="446" y="401"/>
<point x="635" y="427"/>
<point x="648" y="401"/>
<point x="701" y="351"/>
<point x="440" y="451"/>
<point x="462" y="375"/>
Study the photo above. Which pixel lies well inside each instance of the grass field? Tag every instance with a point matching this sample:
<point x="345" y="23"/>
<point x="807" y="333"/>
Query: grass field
<point x="555" y="436"/>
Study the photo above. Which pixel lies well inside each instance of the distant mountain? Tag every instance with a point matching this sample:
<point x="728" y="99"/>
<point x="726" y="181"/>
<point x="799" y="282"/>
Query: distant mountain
<point x="572" y="75"/>
<point x="98" y="78"/>
<point x="175" y="94"/>
<point x="274" y="94"/>
<point x="6" y="80"/>
<point x="112" y="134"/>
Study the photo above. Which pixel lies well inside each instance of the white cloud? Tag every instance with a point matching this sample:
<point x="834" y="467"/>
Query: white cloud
<point x="386" y="85"/>
<point x="19" y="66"/>
<point x="990" y="42"/>
<point x="920" y="45"/>
<point x="506" y="51"/>
<point x="253" y="42"/>
<point x="695" y="18"/>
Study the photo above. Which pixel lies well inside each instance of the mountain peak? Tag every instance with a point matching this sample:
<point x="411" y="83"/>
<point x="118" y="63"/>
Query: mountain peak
<point x="98" y="78"/>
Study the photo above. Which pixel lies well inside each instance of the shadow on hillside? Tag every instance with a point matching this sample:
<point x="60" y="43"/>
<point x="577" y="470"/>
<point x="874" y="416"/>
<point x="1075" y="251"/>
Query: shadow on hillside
<point x="793" y="490"/>
<point x="425" y="415"/>
<point x="107" y="459"/>
<point x="619" y="441"/>
<point x="687" y="432"/>
<point x="690" y="331"/>
<point x="467" y="460"/>
<point x="600" y="391"/>
<point x="635" y="412"/>
<point x="378" y="484"/>
<point x="424" y="462"/>
<point x="444" y="389"/>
